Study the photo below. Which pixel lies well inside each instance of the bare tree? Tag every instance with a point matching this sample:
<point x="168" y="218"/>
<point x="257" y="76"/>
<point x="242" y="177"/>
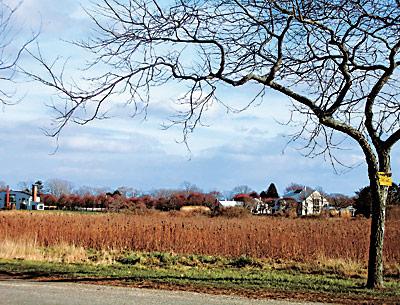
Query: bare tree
<point x="240" y="189"/>
<point x="58" y="187"/>
<point x="3" y="186"/>
<point x="163" y="192"/>
<point x="128" y="191"/>
<point x="294" y="187"/>
<point x="340" y="200"/>
<point x="10" y="53"/>
<point x="90" y="190"/>
<point x="25" y="185"/>
<point x="189" y="187"/>
<point x="336" y="60"/>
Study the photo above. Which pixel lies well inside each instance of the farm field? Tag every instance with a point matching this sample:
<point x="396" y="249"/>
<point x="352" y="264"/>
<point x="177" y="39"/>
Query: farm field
<point x="302" y="240"/>
<point x="321" y="258"/>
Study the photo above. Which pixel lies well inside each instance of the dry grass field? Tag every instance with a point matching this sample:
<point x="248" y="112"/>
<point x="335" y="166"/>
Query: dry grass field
<point x="302" y="240"/>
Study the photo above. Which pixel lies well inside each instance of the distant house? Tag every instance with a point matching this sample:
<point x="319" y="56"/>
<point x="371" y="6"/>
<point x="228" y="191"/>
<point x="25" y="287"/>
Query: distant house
<point x="309" y="202"/>
<point x="20" y="200"/>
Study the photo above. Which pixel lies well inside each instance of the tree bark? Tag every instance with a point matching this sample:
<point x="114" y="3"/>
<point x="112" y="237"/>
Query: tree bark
<point x="379" y="196"/>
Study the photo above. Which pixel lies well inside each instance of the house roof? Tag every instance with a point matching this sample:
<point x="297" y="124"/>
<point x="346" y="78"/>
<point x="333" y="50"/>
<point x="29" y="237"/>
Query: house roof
<point x="269" y="199"/>
<point x="228" y="203"/>
<point x="21" y="192"/>
<point x="299" y="195"/>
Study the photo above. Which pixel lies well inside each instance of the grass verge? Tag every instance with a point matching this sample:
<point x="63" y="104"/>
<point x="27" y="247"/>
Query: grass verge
<point x="240" y="276"/>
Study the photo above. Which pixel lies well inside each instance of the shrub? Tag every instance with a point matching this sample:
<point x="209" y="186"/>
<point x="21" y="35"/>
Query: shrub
<point x="48" y="199"/>
<point x="234" y="212"/>
<point x="131" y="259"/>
<point x="196" y="210"/>
<point x="244" y="261"/>
<point x="346" y="214"/>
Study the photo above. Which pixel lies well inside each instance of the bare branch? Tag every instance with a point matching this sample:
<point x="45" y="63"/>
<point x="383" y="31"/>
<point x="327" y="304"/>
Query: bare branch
<point x="10" y="53"/>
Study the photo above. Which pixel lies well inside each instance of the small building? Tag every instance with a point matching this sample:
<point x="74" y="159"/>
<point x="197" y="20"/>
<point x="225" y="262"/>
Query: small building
<point x="20" y="200"/>
<point x="309" y="202"/>
<point x="230" y="203"/>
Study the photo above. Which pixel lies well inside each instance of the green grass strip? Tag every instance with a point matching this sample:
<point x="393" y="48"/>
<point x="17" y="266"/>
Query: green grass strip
<point x="217" y="277"/>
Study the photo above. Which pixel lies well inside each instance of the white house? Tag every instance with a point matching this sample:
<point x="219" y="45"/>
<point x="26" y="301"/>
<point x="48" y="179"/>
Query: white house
<point x="20" y="200"/>
<point x="309" y="202"/>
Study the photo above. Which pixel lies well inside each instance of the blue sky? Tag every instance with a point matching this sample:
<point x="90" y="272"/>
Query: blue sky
<point x="236" y="149"/>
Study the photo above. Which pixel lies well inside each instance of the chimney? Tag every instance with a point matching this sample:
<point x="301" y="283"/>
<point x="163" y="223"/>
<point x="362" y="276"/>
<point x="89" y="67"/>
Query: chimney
<point x="34" y="192"/>
<point x="8" y="197"/>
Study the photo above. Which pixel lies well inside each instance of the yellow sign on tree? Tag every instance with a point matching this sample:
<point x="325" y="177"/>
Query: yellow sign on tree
<point x="385" y="179"/>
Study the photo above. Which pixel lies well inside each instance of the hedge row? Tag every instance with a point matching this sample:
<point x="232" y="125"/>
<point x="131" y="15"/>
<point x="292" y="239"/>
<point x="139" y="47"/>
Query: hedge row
<point x="118" y="202"/>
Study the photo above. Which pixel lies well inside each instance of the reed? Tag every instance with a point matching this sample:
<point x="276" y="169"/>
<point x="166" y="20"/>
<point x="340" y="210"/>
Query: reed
<point x="302" y="240"/>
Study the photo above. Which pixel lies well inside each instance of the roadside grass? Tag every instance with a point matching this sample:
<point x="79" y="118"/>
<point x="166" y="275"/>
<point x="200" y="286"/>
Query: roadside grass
<point x="66" y="253"/>
<point x="243" y="275"/>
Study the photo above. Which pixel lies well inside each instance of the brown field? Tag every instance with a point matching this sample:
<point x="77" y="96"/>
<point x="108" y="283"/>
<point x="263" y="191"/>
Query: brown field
<point x="303" y="240"/>
<point x="393" y="212"/>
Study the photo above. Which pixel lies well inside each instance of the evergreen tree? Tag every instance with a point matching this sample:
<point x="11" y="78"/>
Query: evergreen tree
<point x="363" y="201"/>
<point x="40" y="186"/>
<point x="272" y="192"/>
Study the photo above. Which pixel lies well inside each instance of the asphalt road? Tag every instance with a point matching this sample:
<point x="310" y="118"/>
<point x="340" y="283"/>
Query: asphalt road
<point x="19" y="292"/>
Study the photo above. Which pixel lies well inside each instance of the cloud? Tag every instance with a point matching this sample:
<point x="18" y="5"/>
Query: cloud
<point x="95" y="142"/>
<point x="97" y="155"/>
<point x="32" y="14"/>
<point x="258" y="162"/>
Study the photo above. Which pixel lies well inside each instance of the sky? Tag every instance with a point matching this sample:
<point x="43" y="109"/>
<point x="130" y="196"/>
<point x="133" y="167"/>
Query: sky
<point x="247" y="148"/>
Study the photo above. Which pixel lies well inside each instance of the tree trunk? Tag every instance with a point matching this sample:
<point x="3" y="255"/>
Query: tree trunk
<point x="375" y="263"/>
<point x="378" y="195"/>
